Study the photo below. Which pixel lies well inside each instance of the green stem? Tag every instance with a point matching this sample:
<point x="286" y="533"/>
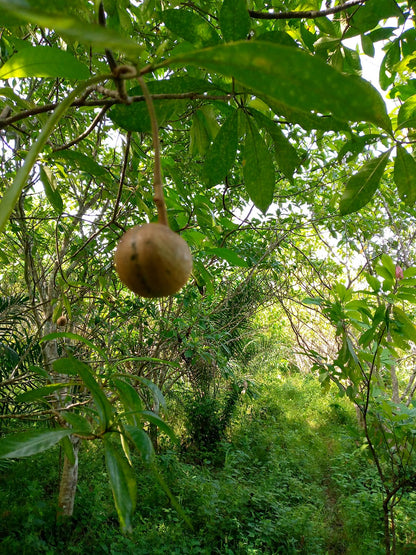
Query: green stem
<point x="12" y="194"/>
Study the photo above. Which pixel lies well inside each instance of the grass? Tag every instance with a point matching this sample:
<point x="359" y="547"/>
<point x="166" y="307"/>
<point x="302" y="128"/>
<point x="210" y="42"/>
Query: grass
<point x="294" y="479"/>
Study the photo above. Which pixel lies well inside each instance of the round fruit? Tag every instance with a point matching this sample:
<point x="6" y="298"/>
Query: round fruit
<point x="61" y="321"/>
<point x="153" y="261"/>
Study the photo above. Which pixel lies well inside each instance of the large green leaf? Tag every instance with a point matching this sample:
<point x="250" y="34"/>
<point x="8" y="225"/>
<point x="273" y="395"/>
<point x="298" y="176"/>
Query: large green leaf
<point x="221" y="155"/>
<point x="155" y="419"/>
<point x="362" y="185"/>
<point x="44" y="61"/>
<point x="69" y="27"/>
<point x="191" y="27"/>
<point x="405" y="175"/>
<point x="130" y="399"/>
<point x="258" y="169"/>
<point x="104" y="408"/>
<point x="81" y="162"/>
<point x="407" y="113"/>
<point x="40" y="392"/>
<point x="74" y="337"/>
<point x="230" y="256"/>
<point x="123" y="484"/>
<point x="235" y="20"/>
<point x="293" y="78"/>
<point x="30" y="443"/>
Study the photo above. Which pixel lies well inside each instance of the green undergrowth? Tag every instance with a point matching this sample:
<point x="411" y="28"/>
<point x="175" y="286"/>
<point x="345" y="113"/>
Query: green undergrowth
<point x="293" y="478"/>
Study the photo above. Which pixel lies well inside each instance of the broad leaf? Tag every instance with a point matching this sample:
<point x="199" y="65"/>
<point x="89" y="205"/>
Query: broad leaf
<point x="30" y="443"/>
<point x="258" y="169"/>
<point x="230" y="256"/>
<point x="221" y="154"/>
<point x="362" y="186"/>
<point x="191" y="27"/>
<point x="407" y="113"/>
<point x="123" y="484"/>
<point x="43" y="61"/>
<point x="51" y="191"/>
<point x="70" y="27"/>
<point x="235" y="20"/>
<point x="294" y="78"/>
<point x="405" y="175"/>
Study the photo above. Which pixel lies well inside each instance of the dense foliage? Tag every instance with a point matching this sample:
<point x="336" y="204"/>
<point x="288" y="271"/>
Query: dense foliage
<point x="293" y="181"/>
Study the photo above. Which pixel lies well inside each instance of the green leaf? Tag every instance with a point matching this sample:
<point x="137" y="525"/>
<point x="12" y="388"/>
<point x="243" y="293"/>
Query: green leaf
<point x="230" y="256"/>
<point x="362" y="186"/>
<point x="191" y="27"/>
<point x="373" y="282"/>
<point x="104" y="408"/>
<point x="142" y="442"/>
<point x="130" y="399"/>
<point x="293" y="78"/>
<point x="43" y="61"/>
<point x="204" y="129"/>
<point x="405" y="175"/>
<point x="258" y="169"/>
<point x="235" y="20"/>
<point x="123" y="485"/>
<point x="30" y="443"/>
<point x="71" y="28"/>
<point x="221" y="154"/>
<point x="51" y="191"/>
<point x="407" y="327"/>
<point x="286" y="155"/>
<point x="74" y="337"/>
<point x="155" y="419"/>
<point x="81" y="162"/>
<point x="78" y="423"/>
<point x="407" y="113"/>
<point x="390" y="266"/>
<point x="39" y="392"/>
<point x="68" y="449"/>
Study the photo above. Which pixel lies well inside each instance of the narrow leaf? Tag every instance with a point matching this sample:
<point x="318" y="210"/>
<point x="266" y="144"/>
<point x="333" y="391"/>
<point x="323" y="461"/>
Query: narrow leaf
<point x="81" y="162"/>
<point x="362" y="186"/>
<point x="130" y="399"/>
<point x="30" y="443"/>
<point x="293" y="78"/>
<point x="235" y="20"/>
<point x="68" y="449"/>
<point x="51" y="191"/>
<point x="142" y="442"/>
<point x="74" y="337"/>
<point x="102" y="404"/>
<point x="43" y="61"/>
<point x="405" y="175"/>
<point x="39" y="393"/>
<point x="258" y="170"/>
<point x="123" y="485"/>
<point x="155" y="419"/>
<point x="221" y="155"/>
<point x="191" y="27"/>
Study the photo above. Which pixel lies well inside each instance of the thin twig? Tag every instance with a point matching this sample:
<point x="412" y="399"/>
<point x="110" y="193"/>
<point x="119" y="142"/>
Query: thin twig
<point x="310" y="14"/>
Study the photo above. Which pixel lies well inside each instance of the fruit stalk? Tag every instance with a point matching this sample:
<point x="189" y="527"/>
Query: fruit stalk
<point x="158" y="198"/>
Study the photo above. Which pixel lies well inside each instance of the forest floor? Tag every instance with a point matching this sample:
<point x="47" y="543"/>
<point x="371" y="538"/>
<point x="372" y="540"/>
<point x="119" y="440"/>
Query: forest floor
<point x="291" y="478"/>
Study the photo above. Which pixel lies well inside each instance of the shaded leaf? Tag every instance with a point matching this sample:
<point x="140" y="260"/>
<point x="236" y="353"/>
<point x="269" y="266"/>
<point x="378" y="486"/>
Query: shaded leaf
<point x="155" y="419"/>
<point x="43" y="61"/>
<point x="258" y="170"/>
<point x="191" y="27"/>
<point x="81" y="162"/>
<point x="235" y="20"/>
<point x="405" y="175"/>
<point x="130" y="399"/>
<point x="39" y="392"/>
<point x="230" y="256"/>
<point x="221" y="154"/>
<point x="293" y="78"/>
<point x="407" y="113"/>
<point x="362" y="186"/>
<point x="30" y="443"/>
<point x="142" y="442"/>
<point x="123" y="484"/>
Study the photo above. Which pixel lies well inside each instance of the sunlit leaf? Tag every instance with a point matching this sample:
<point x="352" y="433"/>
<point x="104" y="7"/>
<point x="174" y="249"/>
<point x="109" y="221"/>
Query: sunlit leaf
<point x="405" y="175"/>
<point x="221" y="154"/>
<point x="191" y="27"/>
<point x="235" y="21"/>
<point x="43" y="61"/>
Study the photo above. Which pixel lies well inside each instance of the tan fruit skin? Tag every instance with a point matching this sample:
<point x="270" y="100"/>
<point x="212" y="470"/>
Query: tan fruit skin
<point x="153" y="261"/>
<point x="61" y="321"/>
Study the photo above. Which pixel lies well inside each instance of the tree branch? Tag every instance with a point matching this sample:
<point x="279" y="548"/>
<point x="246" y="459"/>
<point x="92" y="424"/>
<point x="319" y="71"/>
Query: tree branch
<point x="310" y="14"/>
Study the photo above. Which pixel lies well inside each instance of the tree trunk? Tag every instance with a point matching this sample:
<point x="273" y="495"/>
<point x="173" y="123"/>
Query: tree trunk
<point x="387" y="538"/>
<point x="69" y="480"/>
